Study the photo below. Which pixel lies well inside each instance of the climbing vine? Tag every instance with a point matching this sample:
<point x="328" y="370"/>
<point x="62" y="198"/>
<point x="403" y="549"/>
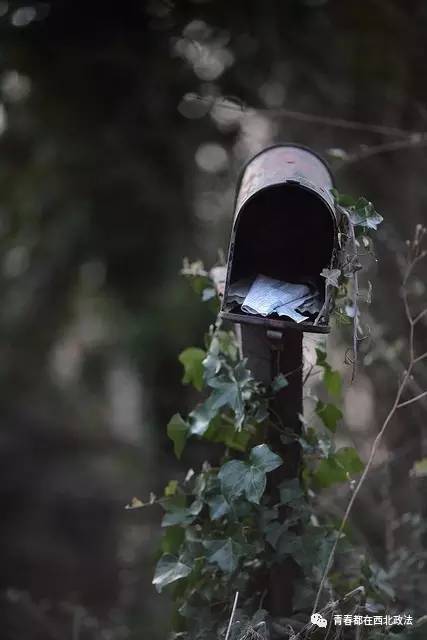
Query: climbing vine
<point x="222" y="531"/>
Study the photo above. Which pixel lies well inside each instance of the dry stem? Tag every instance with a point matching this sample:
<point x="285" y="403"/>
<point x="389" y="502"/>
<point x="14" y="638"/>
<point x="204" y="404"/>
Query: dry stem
<point x="415" y="255"/>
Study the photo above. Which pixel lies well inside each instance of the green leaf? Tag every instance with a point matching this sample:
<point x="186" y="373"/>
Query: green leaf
<point x="195" y="507"/>
<point x="363" y="213"/>
<point x="338" y="467"/>
<point x="221" y="431"/>
<point x="332" y="380"/>
<point x="289" y="544"/>
<point x="239" y="477"/>
<point x="349" y="460"/>
<point x="255" y="483"/>
<point x="226" y="393"/>
<point x="264" y="459"/>
<point x="176" y="511"/>
<point x="290" y="490"/>
<point x="343" y="199"/>
<point x="177" y="515"/>
<point x="177" y="431"/>
<point x="192" y="359"/>
<point x="232" y="476"/>
<point x="211" y="364"/>
<point x="224" y="553"/>
<point x="329" y="414"/>
<point x="321" y="356"/>
<point x="329" y="473"/>
<point x="171" y="487"/>
<point x="172" y="539"/>
<point x="201" y="418"/>
<point x="279" y="382"/>
<point x="218" y="507"/>
<point x="169" y="569"/>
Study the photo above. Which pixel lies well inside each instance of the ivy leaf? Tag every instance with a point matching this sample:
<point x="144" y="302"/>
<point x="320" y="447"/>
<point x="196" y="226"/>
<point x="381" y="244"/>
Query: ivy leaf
<point x="202" y="416"/>
<point x="227" y="393"/>
<point x="321" y="356"/>
<point x="135" y="503"/>
<point x="290" y="544"/>
<point x="290" y="490"/>
<point x="218" y="507"/>
<point x="329" y="473"/>
<point x="177" y="516"/>
<point x="329" y="414"/>
<point x="332" y="380"/>
<point x="264" y="459"/>
<point x="224" y="553"/>
<point x="349" y="460"/>
<point x="363" y="213"/>
<point x="343" y="199"/>
<point x="176" y="511"/>
<point x="195" y="507"/>
<point x="331" y="276"/>
<point x="192" y="359"/>
<point x="169" y="569"/>
<point x="211" y="364"/>
<point x="255" y="483"/>
<point x="171" y="487"/>
<point x="172" y="540"/>
<point x="279" y="382"/>
<point x="177" y="431"/>
<point x="239" y="477"/>
<point x="221" y="431"/>
<point x="338" y="467"/>
<point x="232" y="476"/>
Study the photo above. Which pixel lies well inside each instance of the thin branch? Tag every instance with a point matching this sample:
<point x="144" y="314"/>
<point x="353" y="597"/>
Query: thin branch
<point x="420" y="316"/>
<point x="413" y="258"/>
<point x="415" y="399"/>
<point x="415" y="140"/>
<point x="232" y="104"/>
<point x="421" y="357"/>
<point x="233" y="612"/>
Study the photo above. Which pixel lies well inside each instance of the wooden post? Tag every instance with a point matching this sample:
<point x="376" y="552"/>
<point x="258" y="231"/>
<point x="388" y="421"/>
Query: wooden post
<point x="270" y="353"/>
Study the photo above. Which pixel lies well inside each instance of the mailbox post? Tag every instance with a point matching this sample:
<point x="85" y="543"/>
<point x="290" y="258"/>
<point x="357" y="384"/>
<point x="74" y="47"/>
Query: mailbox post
<point x="285" y="228"/>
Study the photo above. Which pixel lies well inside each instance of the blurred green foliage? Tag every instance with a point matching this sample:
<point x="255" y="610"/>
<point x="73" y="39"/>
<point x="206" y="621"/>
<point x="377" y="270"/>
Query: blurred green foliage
<point x="123" y="127"/>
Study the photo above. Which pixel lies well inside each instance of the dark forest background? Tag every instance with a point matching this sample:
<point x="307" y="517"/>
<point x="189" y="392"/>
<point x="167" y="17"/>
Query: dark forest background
<point x="110" y="173"/>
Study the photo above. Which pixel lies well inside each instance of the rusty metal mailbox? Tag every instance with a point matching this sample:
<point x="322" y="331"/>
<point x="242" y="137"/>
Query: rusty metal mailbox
<point x="284" y="231"/>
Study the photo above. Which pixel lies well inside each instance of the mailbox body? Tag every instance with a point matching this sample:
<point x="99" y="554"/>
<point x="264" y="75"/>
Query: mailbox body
<point x="284" y="226"/>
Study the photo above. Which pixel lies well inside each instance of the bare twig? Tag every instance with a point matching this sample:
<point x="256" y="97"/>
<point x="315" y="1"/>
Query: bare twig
<point x="421" y="357"/>
<point x="233" y="612"/>
<point x="413" y="140"/>
<point x="415" y="399"/>
<point x="232" y="104"/>
<point x="420" y="316"/>
<point x="415" y="254"/>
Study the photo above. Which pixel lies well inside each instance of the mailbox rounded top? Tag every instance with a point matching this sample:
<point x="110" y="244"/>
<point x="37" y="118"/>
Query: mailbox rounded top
<point x="283" y="163"/>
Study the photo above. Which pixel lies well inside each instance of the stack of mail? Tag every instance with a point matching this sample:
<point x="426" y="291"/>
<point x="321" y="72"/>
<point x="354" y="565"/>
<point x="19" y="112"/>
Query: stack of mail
<point x="265" y="296"/>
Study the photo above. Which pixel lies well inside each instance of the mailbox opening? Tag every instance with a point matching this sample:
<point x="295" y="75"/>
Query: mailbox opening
<point x="287" y="232"/>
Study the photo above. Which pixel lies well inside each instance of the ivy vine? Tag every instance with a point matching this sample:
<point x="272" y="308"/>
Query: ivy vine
<point x="222" y="531"/>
